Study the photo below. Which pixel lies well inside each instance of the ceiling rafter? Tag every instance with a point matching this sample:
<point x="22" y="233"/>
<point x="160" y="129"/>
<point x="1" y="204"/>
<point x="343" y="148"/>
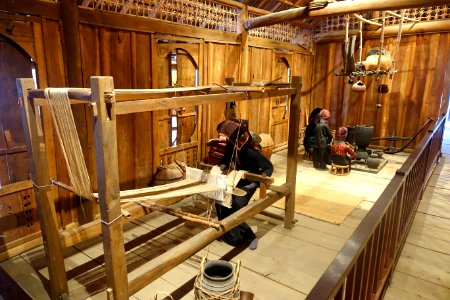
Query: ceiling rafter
<point x="336" y="8"/>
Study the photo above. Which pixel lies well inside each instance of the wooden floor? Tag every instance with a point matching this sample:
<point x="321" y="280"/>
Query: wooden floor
<point x="423" y="270"/>
<point x="287" y="263"/>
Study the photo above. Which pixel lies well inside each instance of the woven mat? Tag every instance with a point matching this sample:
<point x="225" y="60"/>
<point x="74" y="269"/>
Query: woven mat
<point x="322" y="203"/>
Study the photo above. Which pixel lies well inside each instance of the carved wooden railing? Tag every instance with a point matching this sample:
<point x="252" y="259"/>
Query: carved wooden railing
<point x="365" y="263"/>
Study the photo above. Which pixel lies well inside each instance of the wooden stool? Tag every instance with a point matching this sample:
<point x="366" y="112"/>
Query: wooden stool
<point x="339" y="170"/>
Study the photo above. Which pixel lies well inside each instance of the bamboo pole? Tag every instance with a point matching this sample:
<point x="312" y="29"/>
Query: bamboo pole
<point x="337" y="8"/>
<point x="181" y="214"/>
<point x="408" y="29"/>
<point x="360" y="18"/>
<point x="401" y="16"/>
<point x="383" y="22"/>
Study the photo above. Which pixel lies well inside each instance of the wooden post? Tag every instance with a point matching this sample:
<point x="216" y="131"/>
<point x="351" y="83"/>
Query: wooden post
<point x="291" y="172"/>
<point x="108" y="186"/>
<point x="72" y="48"/>
<point x="45" y="198"/>
<point x="244" y="47"/>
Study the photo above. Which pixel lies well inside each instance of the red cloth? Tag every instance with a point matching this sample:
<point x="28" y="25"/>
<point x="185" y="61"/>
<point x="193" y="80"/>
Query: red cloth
<point x="235" y="132"/>
<point x="343" y="149"/>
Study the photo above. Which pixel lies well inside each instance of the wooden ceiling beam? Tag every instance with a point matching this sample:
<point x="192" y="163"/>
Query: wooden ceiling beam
<point x="392" y="30"/>
<point x="338" y="8"/>
<point x="39" y="8"/>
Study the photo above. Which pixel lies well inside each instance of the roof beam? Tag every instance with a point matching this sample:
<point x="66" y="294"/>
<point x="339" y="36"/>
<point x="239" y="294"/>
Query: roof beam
<point x="408" y="29"/>
<point x="337" y="8"/>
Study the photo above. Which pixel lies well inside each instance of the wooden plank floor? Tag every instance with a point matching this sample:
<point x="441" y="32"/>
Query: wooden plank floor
<point x="286" y="264"/>
<point x="423" y="269"/>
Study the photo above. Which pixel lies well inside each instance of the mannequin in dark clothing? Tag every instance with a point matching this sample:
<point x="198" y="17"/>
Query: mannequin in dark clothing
<point x="313" y="120"/>
<point x="251" y="160"/>
<point x="322" y="139"/>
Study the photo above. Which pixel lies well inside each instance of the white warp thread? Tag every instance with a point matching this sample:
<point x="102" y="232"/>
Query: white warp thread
<point x="64" y="125"/>
<point x="215" y="177"/>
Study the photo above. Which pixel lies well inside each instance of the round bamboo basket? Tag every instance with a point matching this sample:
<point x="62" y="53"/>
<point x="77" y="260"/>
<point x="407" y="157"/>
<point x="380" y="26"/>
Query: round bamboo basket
<point x="267" y="145"/>
<point x="168" y="173"/>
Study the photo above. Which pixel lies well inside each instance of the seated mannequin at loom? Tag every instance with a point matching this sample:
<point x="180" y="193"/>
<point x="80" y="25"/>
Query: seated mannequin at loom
<point x="240" y="149"/>
<point x="342" y="152"/>
<point x="322" y="139"/>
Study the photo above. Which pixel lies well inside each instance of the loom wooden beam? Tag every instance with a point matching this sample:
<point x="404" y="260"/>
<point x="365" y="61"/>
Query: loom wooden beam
<point x="92" y="229"/>
<point x="337" y="8"/>
<point x="127" y="107"/>
<point x="45" y="197"/>
<point x="108" y="189"/>
<point x="291" y="172"/>
<point x="158" y="266"/>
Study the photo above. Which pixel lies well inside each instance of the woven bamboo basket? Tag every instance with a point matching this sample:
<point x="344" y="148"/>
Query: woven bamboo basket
<point x="168" y="173"/>
<point x="267" y="145"/>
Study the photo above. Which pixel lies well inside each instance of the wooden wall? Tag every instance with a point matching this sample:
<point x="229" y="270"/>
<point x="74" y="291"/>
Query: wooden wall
<point x="131" y="57"/>
<point x="419" y="90"/>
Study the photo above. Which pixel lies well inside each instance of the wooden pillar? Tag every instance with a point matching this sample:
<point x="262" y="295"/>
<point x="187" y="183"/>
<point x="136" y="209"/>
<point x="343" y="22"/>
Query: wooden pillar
<point x="72" y="48"/>
<point x="291" y="172"/>
<point x="45" y="198"/>
<point x="244" y="46"/>
<point x="108" y="186"/>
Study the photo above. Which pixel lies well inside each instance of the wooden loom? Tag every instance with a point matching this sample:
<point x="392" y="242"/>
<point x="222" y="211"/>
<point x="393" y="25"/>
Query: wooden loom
<point x="107" y="103"/>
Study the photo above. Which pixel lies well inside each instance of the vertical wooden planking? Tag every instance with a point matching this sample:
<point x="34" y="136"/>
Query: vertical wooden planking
<point x="142" y="122"/>
<point x="65" y="202"/>
<point x="440" y="84"/>
<point x="415" y="92"/>
<point x="90" y="52"/>
<point x="119" y="48"/>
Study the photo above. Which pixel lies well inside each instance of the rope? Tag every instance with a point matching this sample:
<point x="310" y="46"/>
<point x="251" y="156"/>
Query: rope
<point x="162" y="293"/>
<point x="360" y="41"/>
<point x="41" y="186"/>
<point x="64" y="124"/>
<point x="397" y="44"/>
<point x="381" y="40"/>
<point x="109" y="223"/>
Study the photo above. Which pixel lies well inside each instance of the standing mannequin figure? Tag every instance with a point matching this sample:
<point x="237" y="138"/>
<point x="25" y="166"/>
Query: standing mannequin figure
<point x="322" y="139"/>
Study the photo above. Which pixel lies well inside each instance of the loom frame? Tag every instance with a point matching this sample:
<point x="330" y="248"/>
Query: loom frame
<point x="107" y="103"/>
